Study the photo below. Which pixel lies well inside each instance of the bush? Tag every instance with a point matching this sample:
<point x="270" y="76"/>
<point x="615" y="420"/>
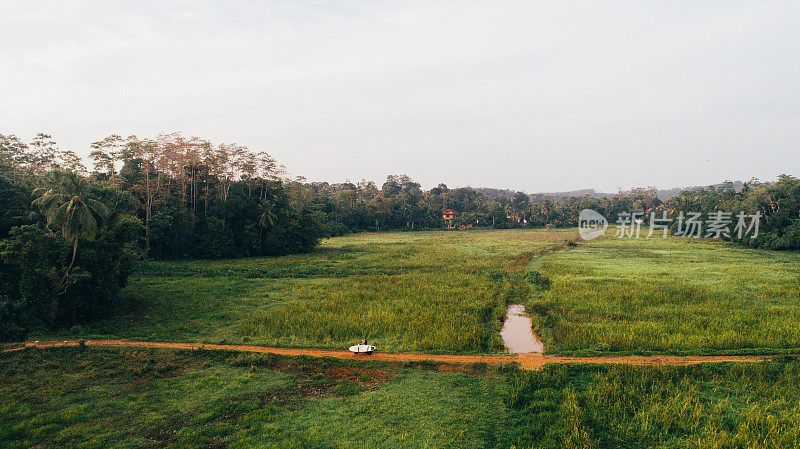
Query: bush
<point x="539" y="280"/>
<point x="789" y="238"/>
<point x="479" y="367"/>
<point x="334" y="229"/>
<point x="11" y="320"/>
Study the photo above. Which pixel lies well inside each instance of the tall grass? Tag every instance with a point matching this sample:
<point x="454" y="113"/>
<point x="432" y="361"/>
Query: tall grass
<point x="104" y="397"/>
<point x="702" y="406"/>
<point x="426" y="291"/>
<point x="668" y="295"/>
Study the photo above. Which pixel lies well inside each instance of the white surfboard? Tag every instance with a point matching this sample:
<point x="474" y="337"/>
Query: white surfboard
<point x="362" y="349"/>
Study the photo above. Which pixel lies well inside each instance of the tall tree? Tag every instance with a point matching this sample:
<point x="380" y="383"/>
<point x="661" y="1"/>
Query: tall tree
<point x="42" y="156"/>
<point x="105" y="152"/>
<point x="69" y="209"/>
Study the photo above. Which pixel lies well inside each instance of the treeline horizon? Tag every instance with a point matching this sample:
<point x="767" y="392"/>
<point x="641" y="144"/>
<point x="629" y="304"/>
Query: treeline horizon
<point x="197" y="199"/>
<point x="97" y="161"/>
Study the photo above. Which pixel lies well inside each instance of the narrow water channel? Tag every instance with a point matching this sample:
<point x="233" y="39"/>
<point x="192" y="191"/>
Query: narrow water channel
<point x="517" y="333"/>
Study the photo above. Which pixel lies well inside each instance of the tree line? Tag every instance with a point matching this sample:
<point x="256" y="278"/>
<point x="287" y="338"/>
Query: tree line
<point x="400" y="204"/>
<point x="777" y="203"/>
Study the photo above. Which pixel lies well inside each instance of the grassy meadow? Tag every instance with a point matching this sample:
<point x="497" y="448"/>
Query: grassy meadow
<point x="138" y="398"/>
<point x="435" y="292"/>
<point x="425" y="291"/>
<point x="620" y="406"/>
<point x="667" y="295"/>
<point x="446" y="292"/>
<point x="109" y="397"/>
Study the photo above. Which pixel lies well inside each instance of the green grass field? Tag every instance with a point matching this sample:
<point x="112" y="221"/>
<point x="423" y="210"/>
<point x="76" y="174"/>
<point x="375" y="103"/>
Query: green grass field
<point x="447" y="291"/>
<point x="101" y="398"/>
<point x="139" y="398"/>
<point x="702" y="406"/>
<point x="425" y="291"/>
<point x="436" y="292"/>
<point x="673" y="295"/>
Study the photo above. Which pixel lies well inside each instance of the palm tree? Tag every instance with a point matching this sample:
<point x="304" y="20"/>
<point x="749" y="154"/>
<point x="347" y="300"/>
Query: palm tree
<point x="268" y="218"/>
<point x="69" y="209"/>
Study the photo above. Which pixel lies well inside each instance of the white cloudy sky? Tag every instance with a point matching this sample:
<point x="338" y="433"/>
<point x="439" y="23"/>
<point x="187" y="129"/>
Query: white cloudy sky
<point x="539" y="96"/>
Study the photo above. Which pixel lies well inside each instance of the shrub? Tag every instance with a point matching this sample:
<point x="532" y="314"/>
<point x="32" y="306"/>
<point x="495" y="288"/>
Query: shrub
<point x="539" y="280"/>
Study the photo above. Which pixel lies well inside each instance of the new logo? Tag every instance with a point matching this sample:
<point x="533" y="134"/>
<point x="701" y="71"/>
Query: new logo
<point x="591" y="224"/>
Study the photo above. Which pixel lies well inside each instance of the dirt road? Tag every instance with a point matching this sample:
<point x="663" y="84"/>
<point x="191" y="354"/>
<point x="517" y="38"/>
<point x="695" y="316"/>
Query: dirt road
<point x="527" y="361"/>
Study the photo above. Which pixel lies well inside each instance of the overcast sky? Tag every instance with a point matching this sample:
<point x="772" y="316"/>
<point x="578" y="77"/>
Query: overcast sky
<point x="537" y="96"/>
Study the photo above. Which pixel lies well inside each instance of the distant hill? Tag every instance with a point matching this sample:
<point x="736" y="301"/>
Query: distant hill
<point x="560" y="196"/>
<point x="495" y="193"/>
<point x="552" y="196"/>
<point x="662" y="194"/>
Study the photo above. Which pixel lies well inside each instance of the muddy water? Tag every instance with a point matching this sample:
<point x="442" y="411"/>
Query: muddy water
<point x="517" y="334"/>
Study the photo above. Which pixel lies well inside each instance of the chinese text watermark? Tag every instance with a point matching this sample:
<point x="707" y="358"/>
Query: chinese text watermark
<point x="713" y="225"/>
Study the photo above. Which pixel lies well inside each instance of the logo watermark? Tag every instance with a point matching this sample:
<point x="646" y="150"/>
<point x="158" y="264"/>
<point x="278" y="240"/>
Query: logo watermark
<point x="591" y="224"/>
<point x="714" y="225"/>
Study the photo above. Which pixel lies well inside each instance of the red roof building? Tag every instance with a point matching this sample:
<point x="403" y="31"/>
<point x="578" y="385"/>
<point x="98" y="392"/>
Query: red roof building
<point x="448" y="215"/>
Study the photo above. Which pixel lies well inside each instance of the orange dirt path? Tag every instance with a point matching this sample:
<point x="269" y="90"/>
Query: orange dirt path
<point x="526" y="361"/>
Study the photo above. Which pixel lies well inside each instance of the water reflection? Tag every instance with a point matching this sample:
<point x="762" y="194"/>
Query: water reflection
<point x="517" y="334"/>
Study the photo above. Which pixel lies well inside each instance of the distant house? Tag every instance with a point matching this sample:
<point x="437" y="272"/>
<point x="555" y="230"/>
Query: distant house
<point x="448" y="215"/>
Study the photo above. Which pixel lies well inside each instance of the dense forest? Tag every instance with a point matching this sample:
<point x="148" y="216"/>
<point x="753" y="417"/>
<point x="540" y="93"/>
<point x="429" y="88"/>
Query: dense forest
<point x="70" y="233"/>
